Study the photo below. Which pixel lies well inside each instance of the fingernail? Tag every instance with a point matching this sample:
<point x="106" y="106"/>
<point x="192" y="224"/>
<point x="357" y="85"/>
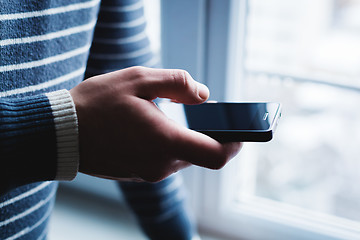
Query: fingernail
<point x="203" y="91"/>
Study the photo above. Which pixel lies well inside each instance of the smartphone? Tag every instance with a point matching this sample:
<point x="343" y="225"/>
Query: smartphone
<point x="235" y="122"/>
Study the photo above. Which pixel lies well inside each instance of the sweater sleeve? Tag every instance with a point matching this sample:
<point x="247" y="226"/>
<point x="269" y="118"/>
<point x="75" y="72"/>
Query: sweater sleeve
<point x="120" y="38"/>
<point x="38" y="139"/>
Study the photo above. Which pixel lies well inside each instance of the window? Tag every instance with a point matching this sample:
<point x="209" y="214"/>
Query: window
<point x="153" y="20"/>
<point x="305" y="54"/>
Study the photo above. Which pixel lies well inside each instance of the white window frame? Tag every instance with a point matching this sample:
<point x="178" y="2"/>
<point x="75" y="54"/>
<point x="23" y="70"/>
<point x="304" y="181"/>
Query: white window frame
<point x="202" y="36"/>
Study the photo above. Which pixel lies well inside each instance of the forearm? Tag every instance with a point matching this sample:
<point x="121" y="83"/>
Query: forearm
<point x="38" y="139"/>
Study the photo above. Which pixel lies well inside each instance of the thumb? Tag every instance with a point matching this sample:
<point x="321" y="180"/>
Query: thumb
<point x="175" y="84"/>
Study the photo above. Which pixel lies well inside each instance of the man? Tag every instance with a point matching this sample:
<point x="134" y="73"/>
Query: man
<point x="53" y="125"/>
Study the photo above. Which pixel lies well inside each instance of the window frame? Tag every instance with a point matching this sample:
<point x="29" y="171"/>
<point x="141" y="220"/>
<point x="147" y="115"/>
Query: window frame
<point x="202" y="37"/>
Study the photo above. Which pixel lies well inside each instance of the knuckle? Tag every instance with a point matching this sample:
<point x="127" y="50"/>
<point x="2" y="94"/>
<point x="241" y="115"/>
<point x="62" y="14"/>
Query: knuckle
<point x="181" y="79"/>
<point x="219" y="163"/>
<point x="159" y="171"/>
<point x="155" y="176"/>
<point x="138" y="72"/>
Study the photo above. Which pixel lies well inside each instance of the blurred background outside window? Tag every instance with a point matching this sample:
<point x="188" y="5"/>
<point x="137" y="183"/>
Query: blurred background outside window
<point x="306" y="55"/>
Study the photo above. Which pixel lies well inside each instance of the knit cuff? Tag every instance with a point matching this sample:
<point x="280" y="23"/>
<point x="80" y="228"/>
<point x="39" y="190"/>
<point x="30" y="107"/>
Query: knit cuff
<point x="66" y="125"/>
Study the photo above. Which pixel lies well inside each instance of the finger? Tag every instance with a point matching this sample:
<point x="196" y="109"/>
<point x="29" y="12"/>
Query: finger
<point x="202" y="150"/>
<point x="179" y="165"/>
<point x="174" y="84"/>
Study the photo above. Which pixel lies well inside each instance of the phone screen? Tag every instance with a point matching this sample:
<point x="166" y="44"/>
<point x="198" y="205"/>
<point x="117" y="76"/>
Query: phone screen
<point x="231" y="116"/>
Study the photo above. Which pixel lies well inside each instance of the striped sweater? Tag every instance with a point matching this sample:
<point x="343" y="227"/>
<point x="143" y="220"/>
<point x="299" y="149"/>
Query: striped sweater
<point x="46" y="48"/>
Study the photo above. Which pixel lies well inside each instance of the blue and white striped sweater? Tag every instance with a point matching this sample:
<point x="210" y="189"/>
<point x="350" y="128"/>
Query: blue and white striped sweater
<point x="46" y="48"/>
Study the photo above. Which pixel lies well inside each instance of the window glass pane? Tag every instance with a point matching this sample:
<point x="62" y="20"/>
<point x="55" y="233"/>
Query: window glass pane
<point x="317" y="39"/>
<point x="306" y="55"/>
<point x="153" y="29"/>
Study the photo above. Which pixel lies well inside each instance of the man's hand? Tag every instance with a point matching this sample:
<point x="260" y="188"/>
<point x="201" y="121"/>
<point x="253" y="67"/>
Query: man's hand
<point x="123" y="135"/>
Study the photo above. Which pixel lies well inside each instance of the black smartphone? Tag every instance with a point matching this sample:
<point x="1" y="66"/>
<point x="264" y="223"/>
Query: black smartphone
<point x="235" y="122"/>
